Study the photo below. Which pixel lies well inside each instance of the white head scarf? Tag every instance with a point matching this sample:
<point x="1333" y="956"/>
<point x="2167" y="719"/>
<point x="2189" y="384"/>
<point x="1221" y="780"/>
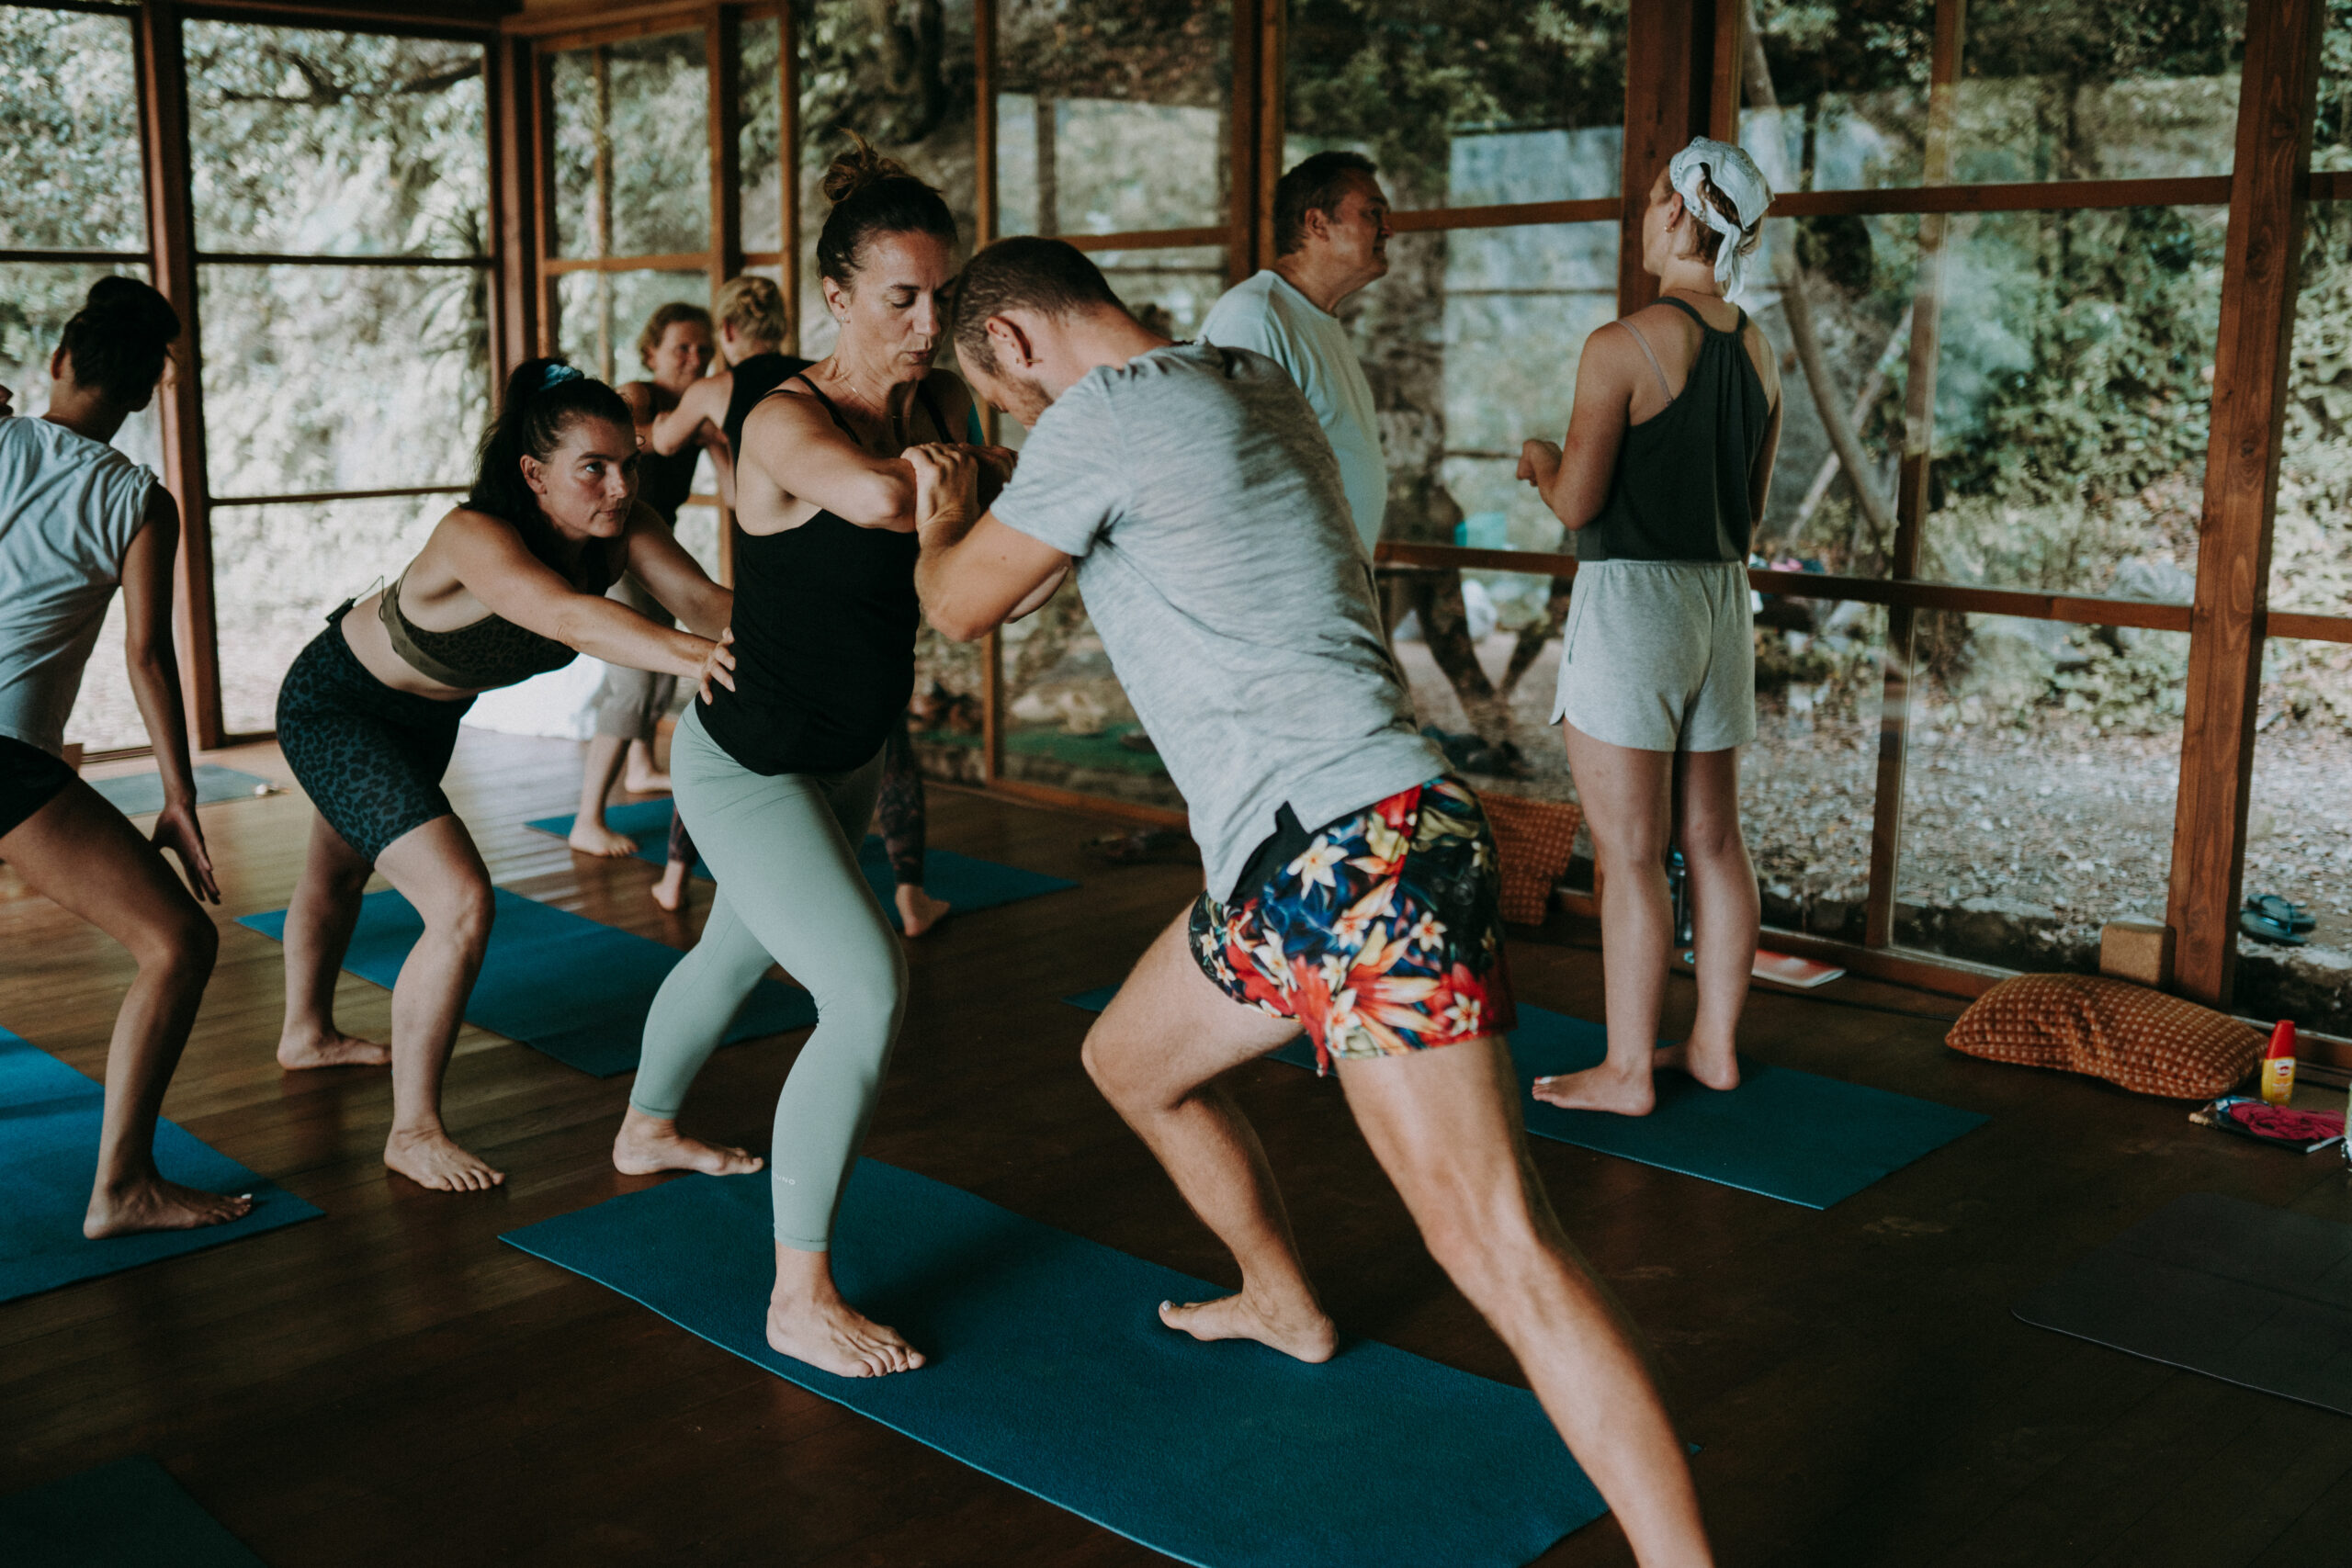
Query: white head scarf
<point x="1734" y="173"/>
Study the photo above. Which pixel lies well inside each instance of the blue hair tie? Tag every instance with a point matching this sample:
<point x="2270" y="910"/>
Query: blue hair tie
<point x="556" y="375"/>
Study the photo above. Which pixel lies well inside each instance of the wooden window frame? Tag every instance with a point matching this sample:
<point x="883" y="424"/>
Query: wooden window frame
<point x="1684" y="61"/>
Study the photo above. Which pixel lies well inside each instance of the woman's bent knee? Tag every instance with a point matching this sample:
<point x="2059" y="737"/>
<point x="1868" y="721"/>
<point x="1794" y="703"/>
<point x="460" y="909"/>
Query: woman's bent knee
<point x="182" y="942"/>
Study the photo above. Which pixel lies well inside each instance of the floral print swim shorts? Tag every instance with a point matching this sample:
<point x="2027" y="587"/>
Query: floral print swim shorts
<point x="1381" y="934"/>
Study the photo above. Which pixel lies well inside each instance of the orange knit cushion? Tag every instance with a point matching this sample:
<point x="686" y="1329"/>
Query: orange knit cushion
<point x="2128" y="1034"/>
<point x="1535" y="839"/>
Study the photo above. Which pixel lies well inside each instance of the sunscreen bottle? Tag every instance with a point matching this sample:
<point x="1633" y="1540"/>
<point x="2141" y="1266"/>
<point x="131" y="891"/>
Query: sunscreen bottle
<point x="2279" y="1065"/>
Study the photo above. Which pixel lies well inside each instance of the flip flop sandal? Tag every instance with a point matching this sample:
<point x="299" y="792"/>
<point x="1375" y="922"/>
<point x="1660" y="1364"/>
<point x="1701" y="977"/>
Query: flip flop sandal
<point x="2262" y="928"/>
<point x="2271" y="907"/>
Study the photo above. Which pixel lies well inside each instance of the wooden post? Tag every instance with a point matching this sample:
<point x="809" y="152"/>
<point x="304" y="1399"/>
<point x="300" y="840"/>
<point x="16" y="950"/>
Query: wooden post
<point x="171" y="235"/>
<point x="1670" y="53"/>
<point x="787" y="152"/>
<point x="722" y="46"/>
<point x="544" y="236"/>
<point x="1249" y="111"/>
<point x="985" y="222"/>
<point x="514" y="301"/>
<point x="1274" y="49"/>
<point x="601" y="57"/>
<point x="1731" y="54"/>
<point x="1911" y="496"/>
<point x="2261" y="271"/>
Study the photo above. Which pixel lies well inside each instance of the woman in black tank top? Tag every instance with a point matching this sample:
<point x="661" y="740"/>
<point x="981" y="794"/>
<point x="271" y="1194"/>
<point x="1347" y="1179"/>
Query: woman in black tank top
<point x="778" y="785"/>
<point x="1666" y="463"/>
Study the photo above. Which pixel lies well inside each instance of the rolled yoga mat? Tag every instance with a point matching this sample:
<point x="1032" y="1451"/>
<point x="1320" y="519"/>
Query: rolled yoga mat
<point x="134" y="795"/>
<point x="558" y="982"/>
<point x="49" y="1153"/>
<point x="130" y="1514"/>
<point x="1793" y="1136"/>
<point x="2241" y="1291"/>
<point x="1049" y="1368"/>
<point x="966" y="883"/>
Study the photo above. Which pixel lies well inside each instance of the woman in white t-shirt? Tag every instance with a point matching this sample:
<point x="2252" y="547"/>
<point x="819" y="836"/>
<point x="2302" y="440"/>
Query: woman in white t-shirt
<point x="78" y="519"/>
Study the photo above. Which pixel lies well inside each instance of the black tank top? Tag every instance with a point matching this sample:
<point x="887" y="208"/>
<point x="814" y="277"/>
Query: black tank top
<point x="663" y="483"/>
<point x="1679" y="492"/>
<point x="755" y="377"/>
<point x="825" y="622"/>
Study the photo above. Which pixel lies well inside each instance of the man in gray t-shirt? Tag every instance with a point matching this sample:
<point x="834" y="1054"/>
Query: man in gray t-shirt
<point x="1351" y="886"/>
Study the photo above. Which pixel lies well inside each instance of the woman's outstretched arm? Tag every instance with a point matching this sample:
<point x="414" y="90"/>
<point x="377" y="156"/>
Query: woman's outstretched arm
<point x="1573" y="477"/>
<point x="154" y="671"/>
<point x="489" y="559"/>
<point x="675" y="579"/>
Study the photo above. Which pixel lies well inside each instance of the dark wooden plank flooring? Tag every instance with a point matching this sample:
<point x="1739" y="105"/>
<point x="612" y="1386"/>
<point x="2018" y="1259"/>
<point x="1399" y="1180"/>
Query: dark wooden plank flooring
<point x="392" y="1385"/>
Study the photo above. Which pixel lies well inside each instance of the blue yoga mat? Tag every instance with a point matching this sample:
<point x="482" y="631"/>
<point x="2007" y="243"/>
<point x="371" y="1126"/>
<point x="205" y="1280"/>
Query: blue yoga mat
<point x="49" y="1153"/>
<point x="135" y="794"/>
<point x="1796" y="1137"/>
<point x="966" y="883"/>
<point x="558" y="982"/>
<point x="1049" y="1370"/>
<point x="130" y="1514"/>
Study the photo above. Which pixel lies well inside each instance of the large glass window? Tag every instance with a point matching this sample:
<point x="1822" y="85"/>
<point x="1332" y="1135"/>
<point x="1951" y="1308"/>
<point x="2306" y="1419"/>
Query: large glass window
<point x="1112" y="116"/>
<point x="2311" y="555"/>
<point x="632" y="147"/>
<point x="2085" y="89"/>
<point x="1464" y="104"/>
<point x="2299" y="835"/>
<point x="2073" y="396"/>
<point x="1836" y="298"/>
<point x="2043" y="762"/>
<point x="1841" y="103"/>
<point x="341" y="214"/>
<point x="903" y="77"/>
<point x="71" y="179"/>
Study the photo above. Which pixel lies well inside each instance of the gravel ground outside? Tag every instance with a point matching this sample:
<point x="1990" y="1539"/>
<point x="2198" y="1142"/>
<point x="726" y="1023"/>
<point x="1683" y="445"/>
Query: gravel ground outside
<point x="2018" y="845"/>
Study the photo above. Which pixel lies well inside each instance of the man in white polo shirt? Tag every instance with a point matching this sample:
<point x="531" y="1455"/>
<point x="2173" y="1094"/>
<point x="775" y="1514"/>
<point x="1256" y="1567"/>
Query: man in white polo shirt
<point x="1330" y="239"/>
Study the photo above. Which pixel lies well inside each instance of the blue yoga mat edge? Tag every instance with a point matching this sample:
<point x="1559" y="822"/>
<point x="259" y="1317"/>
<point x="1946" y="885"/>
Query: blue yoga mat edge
<point x="45" y="1217"/>
<point x="509" y="1238"/>
<point x="1503" y="1487"/>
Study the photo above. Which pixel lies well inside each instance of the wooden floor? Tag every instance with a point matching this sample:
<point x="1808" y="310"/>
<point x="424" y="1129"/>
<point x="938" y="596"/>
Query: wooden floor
<point x="392" y="1385"/>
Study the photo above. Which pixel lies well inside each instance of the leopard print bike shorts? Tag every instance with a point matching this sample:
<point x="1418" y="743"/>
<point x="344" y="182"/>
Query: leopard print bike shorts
<point x="369" y="757"/>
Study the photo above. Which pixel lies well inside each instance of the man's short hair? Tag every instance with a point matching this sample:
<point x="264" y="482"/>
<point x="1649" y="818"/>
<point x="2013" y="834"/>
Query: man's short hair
<point x="1316" y="185"/>
<point x="1052" y="277"/>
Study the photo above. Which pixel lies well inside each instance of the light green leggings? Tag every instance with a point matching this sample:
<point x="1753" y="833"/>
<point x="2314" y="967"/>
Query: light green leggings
<point x="785" y="850"/>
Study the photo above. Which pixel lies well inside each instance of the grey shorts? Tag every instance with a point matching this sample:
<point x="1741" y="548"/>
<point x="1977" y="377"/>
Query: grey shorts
<point x="630" y="703"/>
<point x="1660" y="656"/>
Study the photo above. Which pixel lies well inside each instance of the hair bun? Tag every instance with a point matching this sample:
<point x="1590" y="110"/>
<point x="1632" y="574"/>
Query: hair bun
<point x="128" y="308"/>
<point x="857" y="168"/>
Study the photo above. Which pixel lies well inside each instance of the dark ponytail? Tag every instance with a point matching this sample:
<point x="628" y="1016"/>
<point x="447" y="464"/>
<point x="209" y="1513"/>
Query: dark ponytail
<point x="120" y="339"/>
<point x="545" y="397"/>
<point x="874" y="195"/>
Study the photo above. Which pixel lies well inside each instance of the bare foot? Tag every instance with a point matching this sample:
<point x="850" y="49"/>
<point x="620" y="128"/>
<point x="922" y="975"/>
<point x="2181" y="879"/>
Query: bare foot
<point x="1305" y="1333"/>
<point x="595" y="839"/>
<point x="832" y="1336"/>
<point x="647" y="1143"/>
<point x="917" y="910"/>
<point x="1601" y="1088"/>
<point x="1717" y="1066"/>
<point x="430" y="1157"/>
<point x="645" y="783"/>
<point x="334" y="1049"/>
<point x="671" y="891"/>
<point x="151" y="1203"/>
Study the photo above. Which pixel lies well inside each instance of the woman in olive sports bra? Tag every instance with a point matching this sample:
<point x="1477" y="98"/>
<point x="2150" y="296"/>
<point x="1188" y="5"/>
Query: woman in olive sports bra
<point x="511" y="584"/>
<point x="1667" y="462"/>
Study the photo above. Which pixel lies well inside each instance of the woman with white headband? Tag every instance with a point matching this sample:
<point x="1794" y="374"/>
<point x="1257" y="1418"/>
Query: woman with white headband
<point x="1662" y="478"/>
